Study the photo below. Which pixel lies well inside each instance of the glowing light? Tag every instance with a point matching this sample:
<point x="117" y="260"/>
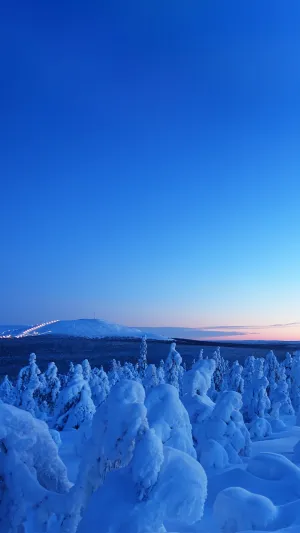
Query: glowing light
<point x="32" y="330"/>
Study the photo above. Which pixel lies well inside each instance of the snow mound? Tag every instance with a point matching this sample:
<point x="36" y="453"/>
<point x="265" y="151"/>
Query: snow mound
<point x="236" y="509"/>
<point x="89" y="328"/>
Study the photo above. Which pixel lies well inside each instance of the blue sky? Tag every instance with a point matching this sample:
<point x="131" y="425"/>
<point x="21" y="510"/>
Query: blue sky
<point x="150" y="162"/>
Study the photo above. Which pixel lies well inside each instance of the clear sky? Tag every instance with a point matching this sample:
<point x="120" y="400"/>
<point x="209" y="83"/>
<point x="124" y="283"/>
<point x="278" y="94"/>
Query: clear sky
<point x="150" y="163"/>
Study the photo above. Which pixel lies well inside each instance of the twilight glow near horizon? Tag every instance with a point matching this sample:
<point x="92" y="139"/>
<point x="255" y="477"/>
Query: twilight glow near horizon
<point x="150" y="165"/>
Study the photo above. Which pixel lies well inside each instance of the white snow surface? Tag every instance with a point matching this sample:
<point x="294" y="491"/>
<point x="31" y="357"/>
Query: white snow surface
<point x="89" y="328"/>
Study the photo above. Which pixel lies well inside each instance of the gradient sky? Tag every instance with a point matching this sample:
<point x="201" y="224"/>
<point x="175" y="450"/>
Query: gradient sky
<point x="150" y="163"/>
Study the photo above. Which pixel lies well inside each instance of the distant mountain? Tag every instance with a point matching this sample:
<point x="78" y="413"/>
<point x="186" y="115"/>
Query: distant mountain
<point x="84" y="327"/>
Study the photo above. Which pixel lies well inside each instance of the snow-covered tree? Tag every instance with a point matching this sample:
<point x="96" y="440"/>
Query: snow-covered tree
<point x="142" y="361"/>
<point x="150" y="380"/>
<point x="33" y="477"/>
<point x="63" y="378"/>
<point x="161" y="372"/>
<point x="75" y="405"/>
<point x="51" y="387"/>
<point x="99" y="385"/>
<point x="259" y="365"/>
<point x="86" y="370"/>
<point x="287" y="364"/>
<point x="221" y="369"/>
<point x="115" y="426"/>
<point x="226" y="427"/>
<point x="225" y="383"/>
<point x="181" y="372"/>
<point x="158" y="489"/>
<point x="28" y="388"/>
<point x="70" y="373"/>
<point x="196" y="383"/>
<point x="119" y="369"/>
<point x="280" y="401"/>
<point x="7" y="391"/>
<point x="128" y="371"/>
<point x="235" y="381"/>
<point x="169" y="418"/>
<point x="256" y="402"/>
<point x="271" y="371"/>
<point x="286" y="406"/>
<point x="200" y="356"/>
<point x="113" y="374"/>
<point x="172" y="367"/>
<point x="248" y="370"/>
<point x="295" y="385"/>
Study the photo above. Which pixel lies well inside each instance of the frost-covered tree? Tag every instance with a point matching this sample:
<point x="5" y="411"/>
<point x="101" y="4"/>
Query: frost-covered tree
<point x="163" y="486"/>
<point x="235" y="381"/>
<point x="226" y="427"/>
<point x="99" y="385"/>
<point x="7" y="391"/>
<point x="287" y="364"/>
<point x="119" y="369"/>
<point x="286" y="406"/>
<point x="115" y="426"/>
<point x="219" y="433"/>
<point x="173" y="367"/>
<point x="100" y="389"/>
<point x="142" y="361"/>
<point x="161" y="372"/>
<point x="259" y="365"/>
<point x="71" y="371"/>
<point x="28" y="388"/>
<point x="271" y="371"/>
<point x="63" y="378"/>
<point x="169" y="418"/>
<point x="221" y="369"/>
<point x="196" y="383"/>
<point x="248" y="370"/>
<point x="128" y="371"/>
<point x="225" y="383"/>
<point x="280" y="401"/>
<point x="86" y="370"/>
<point x="295" y="385"/>
<point x="181" y="372"/>
<point x="150" y="380"/>
<point x="256" y="402"/>
<point x="51" y="387"/>
<point x="113" y="374"/>
<point x="75" y="405"/>
<point x="33" y="477"/>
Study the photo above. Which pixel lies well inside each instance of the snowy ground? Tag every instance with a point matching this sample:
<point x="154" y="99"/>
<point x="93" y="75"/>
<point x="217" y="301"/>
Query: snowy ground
<point x="282" y="443"/>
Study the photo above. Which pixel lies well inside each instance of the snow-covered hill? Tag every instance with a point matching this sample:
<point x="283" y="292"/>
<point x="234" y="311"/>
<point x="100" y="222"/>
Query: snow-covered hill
<point x="85" y="327"/>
